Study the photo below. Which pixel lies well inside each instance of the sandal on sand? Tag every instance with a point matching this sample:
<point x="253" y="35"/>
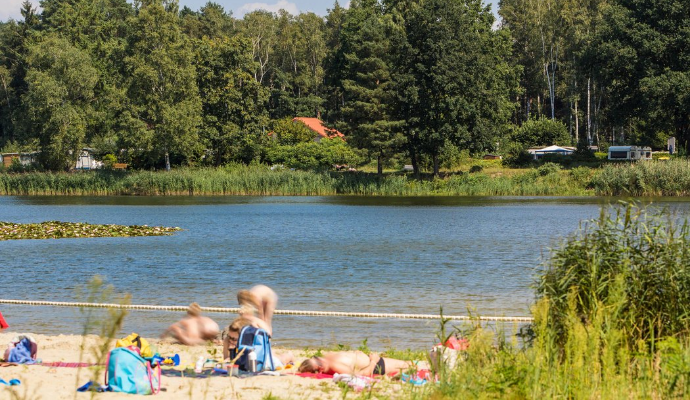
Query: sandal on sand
<point x="12" y="382"/>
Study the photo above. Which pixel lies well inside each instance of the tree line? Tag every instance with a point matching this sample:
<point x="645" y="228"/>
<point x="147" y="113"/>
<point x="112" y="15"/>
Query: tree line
<point x="415" y="80"/>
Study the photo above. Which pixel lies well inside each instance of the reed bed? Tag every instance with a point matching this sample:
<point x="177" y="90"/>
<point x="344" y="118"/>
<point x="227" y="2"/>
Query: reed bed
<point x="648" y="178"/>
<point x="610" y="322"/>
<point x="260" y="180"/>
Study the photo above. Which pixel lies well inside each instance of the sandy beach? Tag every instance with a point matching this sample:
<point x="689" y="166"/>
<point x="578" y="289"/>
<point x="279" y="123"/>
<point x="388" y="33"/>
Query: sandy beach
<point x="44" y="382"/>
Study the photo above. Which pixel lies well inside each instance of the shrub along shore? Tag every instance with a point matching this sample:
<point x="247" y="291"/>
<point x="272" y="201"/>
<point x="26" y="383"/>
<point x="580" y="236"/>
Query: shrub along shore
<point x="655" y="178"/>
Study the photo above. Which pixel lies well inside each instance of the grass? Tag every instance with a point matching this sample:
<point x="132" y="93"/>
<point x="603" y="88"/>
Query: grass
<point x="546" y="180"/>
<point x="655" y="178"/>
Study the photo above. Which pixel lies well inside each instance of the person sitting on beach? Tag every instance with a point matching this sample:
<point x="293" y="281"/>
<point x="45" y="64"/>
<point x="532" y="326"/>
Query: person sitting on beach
<point x="355" y="363"/>
<point x="256" y="309"/>
<point x="193" y="329"/>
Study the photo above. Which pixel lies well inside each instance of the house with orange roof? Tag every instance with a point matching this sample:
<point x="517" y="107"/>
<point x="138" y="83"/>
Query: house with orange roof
<point x="317" y="126"/>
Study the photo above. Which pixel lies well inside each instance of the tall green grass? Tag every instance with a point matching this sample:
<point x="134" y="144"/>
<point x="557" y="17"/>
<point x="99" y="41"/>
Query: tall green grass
<point x="610" y="322"/>
<point x="260" y="180"/>
<point x="648" y="178"/>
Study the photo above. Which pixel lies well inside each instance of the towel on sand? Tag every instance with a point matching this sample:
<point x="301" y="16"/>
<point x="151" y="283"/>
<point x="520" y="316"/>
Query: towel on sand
<point x="23" y="352"/>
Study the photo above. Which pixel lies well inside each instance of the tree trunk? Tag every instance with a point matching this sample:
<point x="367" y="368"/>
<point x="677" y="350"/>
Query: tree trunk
<point x="577" y="125"/>
<point x="436" y="168"/>
<point x="167" y="161"/>
<point x="413" y="159"/>
<point x="589" y="111"/>
<point x="379" y="162"/>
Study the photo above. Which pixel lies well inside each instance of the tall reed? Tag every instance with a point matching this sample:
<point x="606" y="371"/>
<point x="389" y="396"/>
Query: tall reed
<point x="648" y="178"/>
<point x="260" y="180"/>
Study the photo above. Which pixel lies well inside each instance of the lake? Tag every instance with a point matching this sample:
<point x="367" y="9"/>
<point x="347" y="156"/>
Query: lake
<point x="388" y="255"/>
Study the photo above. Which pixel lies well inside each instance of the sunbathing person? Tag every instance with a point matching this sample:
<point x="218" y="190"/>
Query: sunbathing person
<point x="355" y="363"/>
<point x="193" y="329"/>
<point x="256" y="309"/>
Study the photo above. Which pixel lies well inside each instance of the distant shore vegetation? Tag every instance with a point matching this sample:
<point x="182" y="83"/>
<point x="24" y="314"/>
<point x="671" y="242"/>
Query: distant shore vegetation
<point x="481" y="178"/>
<point x="153" y="85"/>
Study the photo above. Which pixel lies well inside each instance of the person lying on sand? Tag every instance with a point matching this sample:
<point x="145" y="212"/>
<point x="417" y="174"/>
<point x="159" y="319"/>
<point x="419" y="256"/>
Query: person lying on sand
<point x="256" y="309"/>
<point x="356" y="363"/>
<point x="193" y="329"/>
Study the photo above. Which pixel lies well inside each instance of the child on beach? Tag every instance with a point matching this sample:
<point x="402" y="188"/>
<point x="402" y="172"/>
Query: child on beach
<point x="356" y="363"/>
<point x="194" y="328"/>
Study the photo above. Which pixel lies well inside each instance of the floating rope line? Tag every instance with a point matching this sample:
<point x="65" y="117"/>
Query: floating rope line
<point x="276" y="312"/>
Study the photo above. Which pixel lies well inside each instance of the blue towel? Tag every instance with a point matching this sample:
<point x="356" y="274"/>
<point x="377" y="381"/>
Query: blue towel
<point x="21" y="353"/>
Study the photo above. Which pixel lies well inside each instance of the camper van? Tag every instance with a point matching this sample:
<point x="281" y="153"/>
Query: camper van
<point x="630" y="153"/>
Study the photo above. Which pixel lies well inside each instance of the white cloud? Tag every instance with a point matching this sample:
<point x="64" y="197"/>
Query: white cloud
<point x="11" y="9"/>
<point x="280" y="5"/>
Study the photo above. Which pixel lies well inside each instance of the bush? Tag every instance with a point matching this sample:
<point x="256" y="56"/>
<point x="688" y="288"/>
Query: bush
<point x="542" y="132"/>
<point x="516" y="156"/>
<point x="631" y="265"/>
<point x="548" y="168"/>
<point x="476" y="168"/>
<point x="313" y="155"/>
<point x="109" y="161"/>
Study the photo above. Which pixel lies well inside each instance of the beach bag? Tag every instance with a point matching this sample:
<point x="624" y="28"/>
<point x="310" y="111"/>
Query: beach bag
<point x="256" y="340"/>
<point x="449" y="353"/>
<point x="128" y="372"/>
<point x="135" y="340"/>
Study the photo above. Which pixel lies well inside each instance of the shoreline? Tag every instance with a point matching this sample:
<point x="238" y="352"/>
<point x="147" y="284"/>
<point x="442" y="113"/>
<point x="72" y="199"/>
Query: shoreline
<point x="47" y="382"/>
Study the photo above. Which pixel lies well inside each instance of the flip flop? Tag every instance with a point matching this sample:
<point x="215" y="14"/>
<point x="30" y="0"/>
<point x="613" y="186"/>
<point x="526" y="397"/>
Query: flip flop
<point x="12" y="382"/>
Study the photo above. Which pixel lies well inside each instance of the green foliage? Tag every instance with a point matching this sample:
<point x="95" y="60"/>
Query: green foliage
<point x="165" y="109"/>
<point x="61" y="81"/>
<point x="452" y="79"/>
<point x="641" y="53"/>
<point x="647" y="178"/>
<point x="109" y="161"/>
<point x="630" y="265"/>
<point x="288" y="132"/>
<point x="515" y="155"/>
<point x="239" y="179"/>
<point x="313" y="155"/>
<point x="548" y="168"/>
<point x="542" y="132"/>
<point x="476" y="168"/>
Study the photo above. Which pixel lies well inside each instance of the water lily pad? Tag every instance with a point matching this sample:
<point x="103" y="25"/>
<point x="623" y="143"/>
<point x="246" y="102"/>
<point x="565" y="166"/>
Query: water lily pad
<point x="58" y="229"/>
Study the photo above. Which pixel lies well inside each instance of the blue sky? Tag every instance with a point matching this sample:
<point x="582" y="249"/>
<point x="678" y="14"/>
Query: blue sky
<point x="10" y="8"/>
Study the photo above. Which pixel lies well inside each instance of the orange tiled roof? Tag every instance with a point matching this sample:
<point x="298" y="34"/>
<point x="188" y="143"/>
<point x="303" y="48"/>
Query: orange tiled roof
<point x="317" y="126"/>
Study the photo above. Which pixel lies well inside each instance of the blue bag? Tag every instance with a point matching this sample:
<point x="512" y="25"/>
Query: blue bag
<point x="128" y="372"/>
<point x="258" y="341"/>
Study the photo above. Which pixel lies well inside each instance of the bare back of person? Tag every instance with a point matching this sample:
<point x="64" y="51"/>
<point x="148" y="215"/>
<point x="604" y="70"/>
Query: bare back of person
<point x="355" y="363"/>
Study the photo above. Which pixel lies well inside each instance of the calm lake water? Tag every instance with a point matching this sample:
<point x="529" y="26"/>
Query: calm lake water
<point x="397" y="255"/>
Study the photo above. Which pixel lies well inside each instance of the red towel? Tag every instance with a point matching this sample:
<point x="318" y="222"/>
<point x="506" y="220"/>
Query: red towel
<point x="67" y="364"/>
<point x="315" y="376"/>
<point x="3" y="323"/>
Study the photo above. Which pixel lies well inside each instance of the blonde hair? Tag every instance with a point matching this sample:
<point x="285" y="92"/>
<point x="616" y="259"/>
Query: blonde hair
<point x="194" y="310"/>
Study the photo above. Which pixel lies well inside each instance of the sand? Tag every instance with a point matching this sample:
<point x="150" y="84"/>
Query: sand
<point x="41" y="382"/>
